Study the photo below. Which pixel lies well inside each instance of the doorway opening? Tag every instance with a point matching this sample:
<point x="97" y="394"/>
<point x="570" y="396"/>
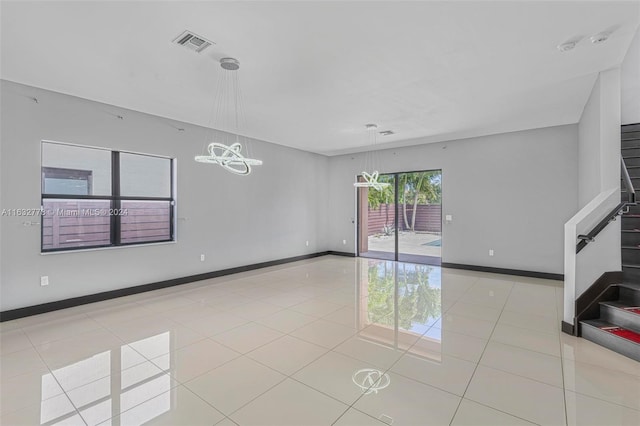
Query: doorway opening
<point x="402" y="222"/>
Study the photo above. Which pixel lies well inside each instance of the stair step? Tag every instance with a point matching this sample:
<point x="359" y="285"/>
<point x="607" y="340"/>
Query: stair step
<point x="631" y="285"/>
<point x="621" y="313"/>
<point x="629" y="128"/>
<point x="634" y="209"/>
<point x="619" y="339"/>
<point x="630" y="133"/>
<point x="629" y="144"/>
<point x="620" y="304"/>
<point x="629" y="294"/>
<point x="632" y="160"/>
<point x="630" y="223"/>
<point x="631" y="255"/>
<point x="624" y="333"/>
<point x="630" y="272"/>
<point x="630" y="238"/>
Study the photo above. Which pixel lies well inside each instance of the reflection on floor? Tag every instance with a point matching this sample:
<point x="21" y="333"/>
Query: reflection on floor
<point x="402" y="257"/>
<point x="327" y="341"/>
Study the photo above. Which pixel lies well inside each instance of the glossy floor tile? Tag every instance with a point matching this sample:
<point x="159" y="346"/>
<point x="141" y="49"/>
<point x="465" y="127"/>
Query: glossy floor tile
<point x="287" y="354"/>
<point x="234" y="384"/>
<point x="327" y="341"/>
<point x="170" y="408"/>
<point x="473" y="414"/>
<point x="290" y="403"/>
<point x="516" y="395"/>
<point x="406" y="401"/>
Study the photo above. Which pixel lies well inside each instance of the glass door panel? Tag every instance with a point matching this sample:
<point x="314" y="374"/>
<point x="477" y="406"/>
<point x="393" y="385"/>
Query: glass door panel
<point x="376" y="221"/>
<point x="419" y="230"/>
<point x="403" y="222"/>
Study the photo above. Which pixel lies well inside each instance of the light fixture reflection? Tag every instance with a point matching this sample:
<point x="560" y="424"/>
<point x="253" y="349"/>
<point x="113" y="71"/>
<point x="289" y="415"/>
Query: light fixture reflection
<point x="370" y="380"/>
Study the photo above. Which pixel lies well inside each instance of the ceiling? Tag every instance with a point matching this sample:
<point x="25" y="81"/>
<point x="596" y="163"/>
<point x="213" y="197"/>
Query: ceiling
<point x="315" y="72"/>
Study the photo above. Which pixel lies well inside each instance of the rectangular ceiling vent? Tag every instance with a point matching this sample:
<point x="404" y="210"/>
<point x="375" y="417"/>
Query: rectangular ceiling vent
<point x="192" y="41"/>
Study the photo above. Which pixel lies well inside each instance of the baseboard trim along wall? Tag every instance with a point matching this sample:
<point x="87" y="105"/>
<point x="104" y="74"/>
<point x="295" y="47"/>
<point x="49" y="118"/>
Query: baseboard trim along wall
<point x="98" y="297"/>
<point x="568" y="328"/>
<point x="518" y="272"/>
<point x="342" y="253"/>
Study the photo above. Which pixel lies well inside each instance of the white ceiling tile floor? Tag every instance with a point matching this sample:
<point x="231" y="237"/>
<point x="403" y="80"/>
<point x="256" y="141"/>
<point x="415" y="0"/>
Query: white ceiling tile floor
<point x="314" y="349"/>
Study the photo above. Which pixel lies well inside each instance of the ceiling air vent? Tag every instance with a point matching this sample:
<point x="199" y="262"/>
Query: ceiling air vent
<point x="192" y="41"/>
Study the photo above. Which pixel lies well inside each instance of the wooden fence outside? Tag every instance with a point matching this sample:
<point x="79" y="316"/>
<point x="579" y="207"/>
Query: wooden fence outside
<point x="428" y="219"/>
<point x="87" y="223"/>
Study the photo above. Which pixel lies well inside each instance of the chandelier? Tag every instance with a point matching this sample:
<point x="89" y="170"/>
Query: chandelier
<point x="230" y="156"/>
<point x="370" y="180"/>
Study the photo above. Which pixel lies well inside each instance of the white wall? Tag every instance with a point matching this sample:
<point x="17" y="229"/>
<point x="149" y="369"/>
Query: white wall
<point x="599" y="189"/>
<point x="589" y="149"/>
<point x="630" y="83"/>
<point x="233" y="220"/>
<point x="511" y="192"/>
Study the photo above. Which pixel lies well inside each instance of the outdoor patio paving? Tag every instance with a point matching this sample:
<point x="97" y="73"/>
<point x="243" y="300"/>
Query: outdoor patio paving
<point x="415" y="243"/>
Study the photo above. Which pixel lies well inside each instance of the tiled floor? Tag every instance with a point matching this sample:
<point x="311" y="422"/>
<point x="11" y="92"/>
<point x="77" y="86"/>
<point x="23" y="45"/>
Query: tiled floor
<point x="327" y="341"/>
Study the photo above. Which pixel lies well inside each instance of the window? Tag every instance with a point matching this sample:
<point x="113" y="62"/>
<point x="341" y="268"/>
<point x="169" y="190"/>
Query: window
<point x="95" y="197"/>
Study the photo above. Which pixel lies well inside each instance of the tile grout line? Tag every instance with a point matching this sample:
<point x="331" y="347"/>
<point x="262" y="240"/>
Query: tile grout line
<point x="564" y="387"/>
<point x="290" y="376"/>
<point x="123" y="342"/>
<point x="405" y="352"/>
<point x="326" y="352"/>
<point x="475" y="281"/>
<point x="481" y="355"/>
<point x="57" y="381"/>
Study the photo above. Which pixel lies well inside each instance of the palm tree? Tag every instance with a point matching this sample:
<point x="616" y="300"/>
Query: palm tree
<point x="420" y="187"/>
<point x="426" y="189"/>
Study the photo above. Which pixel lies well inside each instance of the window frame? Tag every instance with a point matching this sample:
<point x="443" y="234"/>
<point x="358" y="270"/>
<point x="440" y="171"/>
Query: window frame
<point x="115" y="200"/>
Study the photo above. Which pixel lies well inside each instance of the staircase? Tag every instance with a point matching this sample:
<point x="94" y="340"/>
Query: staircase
<point x="618" y="324"/>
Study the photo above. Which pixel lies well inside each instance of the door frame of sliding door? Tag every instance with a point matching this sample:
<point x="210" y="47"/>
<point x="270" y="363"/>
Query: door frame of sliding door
<point x="396" y="199"/>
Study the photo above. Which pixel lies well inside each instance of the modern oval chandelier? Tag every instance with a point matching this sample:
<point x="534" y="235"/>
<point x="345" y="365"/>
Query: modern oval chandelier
<point x="230" y="157"/>
<point x="370" y="180"/>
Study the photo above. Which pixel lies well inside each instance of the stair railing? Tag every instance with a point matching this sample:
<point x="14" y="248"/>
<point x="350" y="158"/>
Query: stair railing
<point x="620" y="209"/>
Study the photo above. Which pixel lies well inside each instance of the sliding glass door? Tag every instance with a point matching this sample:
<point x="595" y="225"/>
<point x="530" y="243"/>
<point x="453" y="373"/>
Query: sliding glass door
<point x="420" y="230"/>
<point x="403" y="222"/>
<point x="377" y="220"/>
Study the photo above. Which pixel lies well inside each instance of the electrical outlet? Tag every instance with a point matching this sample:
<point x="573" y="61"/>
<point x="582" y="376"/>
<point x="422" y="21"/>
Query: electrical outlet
<point x="307" y="243"/>
<point x="344" y="242"/>
<point x="490" y="252"/>
<point x="44" y="280"/>
<point x="202" y="258"/>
